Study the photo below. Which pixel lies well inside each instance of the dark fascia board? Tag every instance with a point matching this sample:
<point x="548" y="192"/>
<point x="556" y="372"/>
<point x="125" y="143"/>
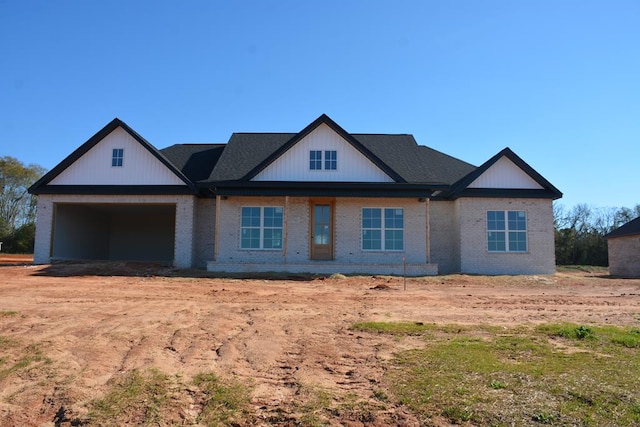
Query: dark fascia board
<point x="513" y="193"/>
<point x="340" y="131"/>
<point x="340" y="189"/>
<point x="631" y="228"/>
<point x="116" y="189"/>
<point x="461" y="186"/>
<point x="37" y="188"/>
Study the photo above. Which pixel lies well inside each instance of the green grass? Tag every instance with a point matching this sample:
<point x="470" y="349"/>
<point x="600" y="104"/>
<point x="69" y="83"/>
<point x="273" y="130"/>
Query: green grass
<point x="556" y="374"/>
<point x="7" y="313"/>
<point x="136" y="397"/>
<point x="27" y="358"/>
<point x="225" y="402"/>
<point x="395" y="328"/>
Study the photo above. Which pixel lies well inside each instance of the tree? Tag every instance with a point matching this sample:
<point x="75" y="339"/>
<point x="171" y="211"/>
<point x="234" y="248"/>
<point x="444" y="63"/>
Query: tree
<point x="17" y="206"/>
<point x="580" y="232"/>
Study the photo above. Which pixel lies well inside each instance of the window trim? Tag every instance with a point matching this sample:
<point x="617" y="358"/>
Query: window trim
<point x="117" y="157"/>
<point x="507" y="231"/>
<point x="262" y="229"/>
<point x="382" y="229"/>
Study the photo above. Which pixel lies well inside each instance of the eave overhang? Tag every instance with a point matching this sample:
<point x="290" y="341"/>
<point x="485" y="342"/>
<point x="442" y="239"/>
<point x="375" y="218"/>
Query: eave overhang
<point x="116" y="190"/>
<point x="322" y="189"/>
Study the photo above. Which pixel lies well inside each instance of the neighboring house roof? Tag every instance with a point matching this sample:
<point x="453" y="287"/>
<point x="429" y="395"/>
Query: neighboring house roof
<point x="41" y="185"/>
<point x="629" y="229"/>
<point x="460" y="188"/>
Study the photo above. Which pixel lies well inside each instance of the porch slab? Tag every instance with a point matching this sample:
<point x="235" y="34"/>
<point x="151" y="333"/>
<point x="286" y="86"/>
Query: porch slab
<point x="325" y="267"/>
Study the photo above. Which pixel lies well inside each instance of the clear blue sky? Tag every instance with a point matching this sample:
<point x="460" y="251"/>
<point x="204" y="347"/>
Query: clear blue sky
<point x="556" y="81"/>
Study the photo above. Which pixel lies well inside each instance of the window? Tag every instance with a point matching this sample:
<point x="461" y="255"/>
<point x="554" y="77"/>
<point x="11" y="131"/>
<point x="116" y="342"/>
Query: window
<point x="117" y="156"/>
<point x="382" y="229"/>
<point x="315" y="160"/>
<point x="506" y="231"/>
<point x="330" y="160"/>
<point x="261" y="227"/>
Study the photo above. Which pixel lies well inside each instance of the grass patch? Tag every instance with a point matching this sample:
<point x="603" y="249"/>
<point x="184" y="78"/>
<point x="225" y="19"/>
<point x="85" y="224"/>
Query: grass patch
<point x="520" y="376"/>
<point x="395" y="328"/>
<point x="7" y="313"/>
<point x="28" y="358"/>
<point x="138" y="397"/>
<point x="224" y="403"/>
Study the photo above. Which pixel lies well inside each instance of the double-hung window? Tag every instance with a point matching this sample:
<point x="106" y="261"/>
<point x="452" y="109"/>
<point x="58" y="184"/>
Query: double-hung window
<point x="318" y="162"/>
<point x="117" y="157"/>
<point x="261" y="227"/>
<point x="382" y="229"/>
<point x="506" y="231"/>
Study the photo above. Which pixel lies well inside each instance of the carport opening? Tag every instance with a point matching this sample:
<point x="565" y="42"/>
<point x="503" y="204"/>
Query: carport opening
<point x="115" y="232"/>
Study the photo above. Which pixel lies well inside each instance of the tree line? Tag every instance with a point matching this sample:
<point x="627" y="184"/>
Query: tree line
<point x="17" y="206"/>
<point x="580" y="231"/>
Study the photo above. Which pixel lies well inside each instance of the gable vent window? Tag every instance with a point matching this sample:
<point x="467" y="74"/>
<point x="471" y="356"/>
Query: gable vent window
<point x="117" y="157"/>
<point x="317" y="162"/>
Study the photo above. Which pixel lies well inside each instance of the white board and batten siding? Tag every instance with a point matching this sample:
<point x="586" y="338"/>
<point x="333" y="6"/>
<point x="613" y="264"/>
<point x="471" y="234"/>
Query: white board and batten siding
<point x="505" y="174"/>
<point x="139" y="166"/>
<point x="352" y="166"/>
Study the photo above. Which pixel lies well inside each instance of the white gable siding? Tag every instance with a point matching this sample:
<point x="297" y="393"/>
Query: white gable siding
<point x="505" y="174"/>
<point x="140" y="167"/>
<point x="293" y="165"/>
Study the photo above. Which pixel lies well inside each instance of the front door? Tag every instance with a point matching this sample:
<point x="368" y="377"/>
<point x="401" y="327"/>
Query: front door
<point x="321" y="230"/>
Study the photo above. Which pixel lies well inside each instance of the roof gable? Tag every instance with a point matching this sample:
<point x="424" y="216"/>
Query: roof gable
<point x="90" y="164"/>
<point x="504" y="174"/>
<point x="351" y="165"/>
<point x="324" y="120"/>
<point x="629" y="229"/>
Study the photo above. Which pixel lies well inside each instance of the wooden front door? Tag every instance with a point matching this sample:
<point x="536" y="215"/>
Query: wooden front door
<point x="321" y="230"/>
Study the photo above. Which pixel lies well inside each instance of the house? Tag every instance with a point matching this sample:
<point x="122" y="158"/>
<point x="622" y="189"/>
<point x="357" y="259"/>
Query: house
<point x="623" y="244"/>
<point x="321" y="200"/>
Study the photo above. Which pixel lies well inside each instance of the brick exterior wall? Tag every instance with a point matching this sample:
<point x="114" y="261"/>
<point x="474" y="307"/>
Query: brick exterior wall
<point x="445" y="236"/>
<point x="624" y="256"/>
<point x="476" y="259"/>
<point x="204" y="232"/>
<point x="184" y="227"/>
<point x="348" y="253"/>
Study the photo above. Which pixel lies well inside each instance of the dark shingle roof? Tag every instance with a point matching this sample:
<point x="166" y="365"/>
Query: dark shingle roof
<point x="246" y="152"/>
<point x="196" y="161"/>
<point x="629" y="229"/>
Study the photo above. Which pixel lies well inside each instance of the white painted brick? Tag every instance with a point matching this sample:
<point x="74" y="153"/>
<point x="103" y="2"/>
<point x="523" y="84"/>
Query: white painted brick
<point x="624" y="256"/>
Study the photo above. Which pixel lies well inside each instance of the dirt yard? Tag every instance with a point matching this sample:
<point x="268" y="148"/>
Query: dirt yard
<point x="94" y="322"/>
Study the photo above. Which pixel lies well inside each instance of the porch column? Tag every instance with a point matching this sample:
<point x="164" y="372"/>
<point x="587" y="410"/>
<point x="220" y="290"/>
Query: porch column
<point x="285" y="231"/>
<point x="428" y="221"/>
<point x="216" y="228"/>
<point x="183" y="257"/>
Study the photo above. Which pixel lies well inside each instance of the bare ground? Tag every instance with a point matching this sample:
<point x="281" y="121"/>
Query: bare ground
<point x="284" y="336"/>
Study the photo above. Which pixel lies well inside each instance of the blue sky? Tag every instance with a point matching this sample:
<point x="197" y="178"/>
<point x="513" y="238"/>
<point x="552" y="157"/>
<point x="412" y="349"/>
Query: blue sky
<point x="556" y="81"/>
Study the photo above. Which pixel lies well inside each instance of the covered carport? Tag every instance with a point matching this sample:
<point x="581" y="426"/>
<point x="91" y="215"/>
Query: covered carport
<point x="110" y="231"/>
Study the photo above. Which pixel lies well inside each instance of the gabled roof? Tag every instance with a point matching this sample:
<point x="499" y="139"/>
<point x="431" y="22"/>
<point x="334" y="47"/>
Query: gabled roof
<point x="398" y="155"/>
<point x="39" y="186"/>
<point x="196" y="161"/>
<point x="280" y="146"/>
<point x="629" y="229"/>
<point x="460" y="188"/>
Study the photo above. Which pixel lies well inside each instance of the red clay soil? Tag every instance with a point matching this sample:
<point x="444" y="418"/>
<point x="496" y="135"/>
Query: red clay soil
<point x="95" y="322"/>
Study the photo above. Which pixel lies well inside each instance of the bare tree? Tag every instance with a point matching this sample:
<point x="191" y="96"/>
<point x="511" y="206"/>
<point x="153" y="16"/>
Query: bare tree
<point x="17" y="206"/>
